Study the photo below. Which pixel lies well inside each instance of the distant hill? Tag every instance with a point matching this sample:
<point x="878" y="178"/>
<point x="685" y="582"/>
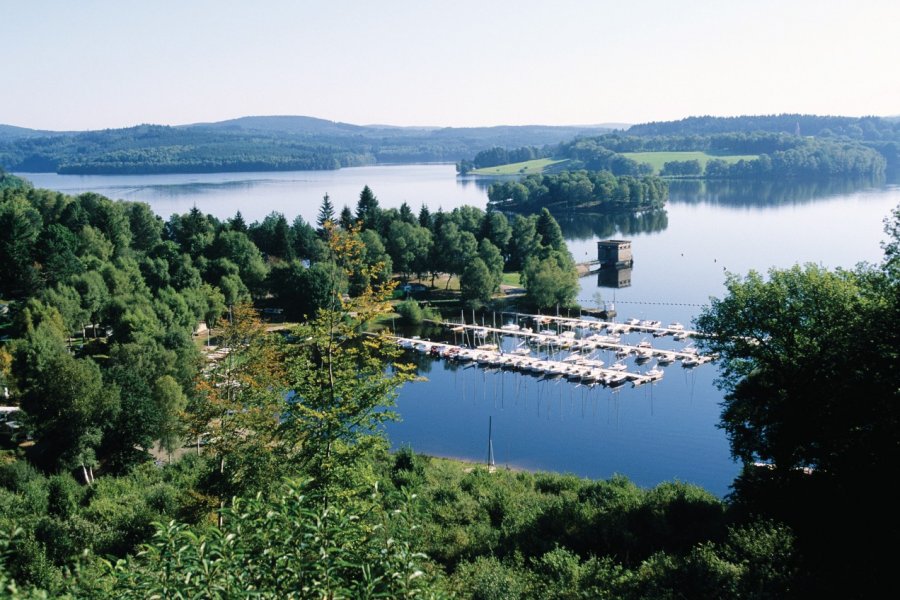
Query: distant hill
<point x="860" y="128"/>
<point x="11" y="132"/>
<point x="259" y="143"/>
<point x="295" y="125"/>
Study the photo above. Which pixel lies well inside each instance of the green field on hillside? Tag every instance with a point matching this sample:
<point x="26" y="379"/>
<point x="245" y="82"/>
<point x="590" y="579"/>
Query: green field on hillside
<point x="528" y="167"/>
<point x="658" y="159"/>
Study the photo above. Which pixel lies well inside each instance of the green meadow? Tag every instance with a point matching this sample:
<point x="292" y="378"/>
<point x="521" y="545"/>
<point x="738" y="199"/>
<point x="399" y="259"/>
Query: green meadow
<point x="658" y="159"/>
<point x="528" y="167"/>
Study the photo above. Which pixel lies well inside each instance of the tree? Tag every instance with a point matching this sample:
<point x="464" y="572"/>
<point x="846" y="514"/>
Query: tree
<point x="343" y="391"/>
<point x="66" y="400"/>
<point x="408" y="246"/>
<point x="68" y="302"/>
<point x="548" y="231"/>
<point x="476" y="283"/>
<point x="193" y="232"/>
<point x="21" y="226"/>
<point x="237" y="223"/>
<point x="273" y="236"/>
<point x="235" y="409"/>
<point x="94" y="295"/>
<point x="493" y="260"/>
<point x="243" y="253"/>
<point x="346" y="220"/>
<point x="146" y="227"/>
<point x="522" y="243"/>
<point x="783" y="344"/>
<point x="405" y="214"/>
<point x="808" y="365"/>
<point x="55" y="253"/>
<point x="425" y="217"/>
<point x="550" y="281"/>
<point x="326" y="214"/>
<point x="496" y="229"/>
<point x="378" y="267"/>
<point x="303" y="291"/>
<point x="306" y="241"/>
<point x="170" y="403"/>
<point x="367" y="210"/>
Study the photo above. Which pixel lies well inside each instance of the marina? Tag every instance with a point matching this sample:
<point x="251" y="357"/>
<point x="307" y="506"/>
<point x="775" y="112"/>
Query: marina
<point x="570" y="353"/>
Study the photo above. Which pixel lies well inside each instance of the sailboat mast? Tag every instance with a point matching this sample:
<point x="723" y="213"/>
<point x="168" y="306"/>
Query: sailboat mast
<point x="490" y="441"/>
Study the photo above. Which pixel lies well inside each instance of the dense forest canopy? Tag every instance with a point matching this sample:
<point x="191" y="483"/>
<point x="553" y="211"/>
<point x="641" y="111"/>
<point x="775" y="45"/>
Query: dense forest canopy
<point x="878" y="133"/>
<point x="782" y="147"/>
<point x="861" y="128"/>
<point x="598" y="191"/>
<point x="255" y="144"/>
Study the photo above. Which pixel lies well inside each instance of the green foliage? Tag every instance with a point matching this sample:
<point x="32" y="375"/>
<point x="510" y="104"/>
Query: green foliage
<point x="410" y="312"/>
<point x="409" y="246"/>
<point x="579" y="190"/>
<point x="287" y="547"/>
<point x="477" y="283"/>
<point x="21" y="226"/>
<point x="65" y="400"/>
<point x="826" y="428"/>
<point x="337" y="372"/>
<point x="487" y="578"/>
<point x="550" y="281"/>
<point x="784" y="342"/>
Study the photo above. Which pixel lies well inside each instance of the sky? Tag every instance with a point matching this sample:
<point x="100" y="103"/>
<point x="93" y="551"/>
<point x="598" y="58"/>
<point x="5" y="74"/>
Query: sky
<point x="96" y="64"/>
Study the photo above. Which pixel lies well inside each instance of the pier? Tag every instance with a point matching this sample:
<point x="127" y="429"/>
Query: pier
<point x="482" y="345"/>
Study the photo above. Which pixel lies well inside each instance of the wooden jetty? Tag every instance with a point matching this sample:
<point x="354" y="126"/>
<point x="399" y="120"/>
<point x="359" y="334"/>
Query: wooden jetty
<point x="646" y="326"/>
<point x="489" y="356"/>
<point x="567" y="342"/>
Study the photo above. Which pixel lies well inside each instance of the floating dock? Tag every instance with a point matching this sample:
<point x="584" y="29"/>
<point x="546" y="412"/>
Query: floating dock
<point x="577" y="366"/>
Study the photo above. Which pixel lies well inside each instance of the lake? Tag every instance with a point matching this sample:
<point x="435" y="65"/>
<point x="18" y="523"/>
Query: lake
<point x="652" y="433"/>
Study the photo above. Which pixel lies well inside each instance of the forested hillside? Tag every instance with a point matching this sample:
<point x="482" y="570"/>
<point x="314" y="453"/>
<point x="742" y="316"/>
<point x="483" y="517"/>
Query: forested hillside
<point x="255" y="144"/>
<point x="877" y="133"/>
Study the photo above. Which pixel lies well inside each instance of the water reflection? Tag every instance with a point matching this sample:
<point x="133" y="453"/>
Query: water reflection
<point x="764" y="193"/>
<point x="588" y="226"/>
<point x="611" y="277"/>
<point x="481" y="182"/>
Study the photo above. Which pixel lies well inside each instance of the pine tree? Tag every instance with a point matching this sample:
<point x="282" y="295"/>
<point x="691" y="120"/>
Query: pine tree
<point x="425" y="217"/>
<point x="326" y="213"/>
<point x="346" y="219"/>
<point x="367" y="209"/>
<point x="237" y="223"/>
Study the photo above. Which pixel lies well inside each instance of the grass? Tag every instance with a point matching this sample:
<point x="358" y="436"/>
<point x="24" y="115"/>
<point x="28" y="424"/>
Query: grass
<point x="658" y="159"/>
<point x="528" y="167"/>
<point x="511" y="279"/>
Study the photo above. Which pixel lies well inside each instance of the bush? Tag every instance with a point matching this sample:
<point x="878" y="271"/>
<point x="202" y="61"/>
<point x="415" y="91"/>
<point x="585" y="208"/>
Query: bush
<point x="15" y="475"/>
<point x="410" y="312"/>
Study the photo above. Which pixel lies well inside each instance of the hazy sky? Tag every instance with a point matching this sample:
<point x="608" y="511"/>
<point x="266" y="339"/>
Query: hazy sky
<point x="94" y="64"/>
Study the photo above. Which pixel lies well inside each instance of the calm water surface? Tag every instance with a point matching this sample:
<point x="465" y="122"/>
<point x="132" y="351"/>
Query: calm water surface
<point x="651" y="433"/>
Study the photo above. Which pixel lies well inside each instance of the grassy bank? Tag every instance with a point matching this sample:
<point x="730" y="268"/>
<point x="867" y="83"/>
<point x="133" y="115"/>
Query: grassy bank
<point x="658" y="159"/>
<point x="528" y="167"/>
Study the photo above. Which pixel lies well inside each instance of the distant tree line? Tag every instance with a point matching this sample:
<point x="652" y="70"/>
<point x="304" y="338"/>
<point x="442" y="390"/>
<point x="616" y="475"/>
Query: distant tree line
<point x="579" y="190"/>
<point x="780" y="155"/>
<point x="878" y="133"/>
<point x="501" y="156"/>
<point x="859" y="128"/>
<point x="253" y="144"/>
